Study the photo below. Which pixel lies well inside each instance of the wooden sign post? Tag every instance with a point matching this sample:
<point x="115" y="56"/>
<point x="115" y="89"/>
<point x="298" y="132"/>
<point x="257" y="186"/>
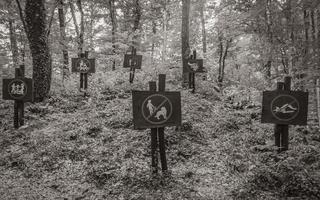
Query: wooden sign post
<point x="194" y="66"/>
<point x="284" y="107"/>
<point x="156" y="109"/>
<point x="84" y="65"/>
<point x="132" y="61"/>
<point x="19" y="89"/>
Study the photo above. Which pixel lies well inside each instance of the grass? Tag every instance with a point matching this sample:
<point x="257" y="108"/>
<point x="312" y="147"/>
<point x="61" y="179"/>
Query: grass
<point x="85" y="148"/>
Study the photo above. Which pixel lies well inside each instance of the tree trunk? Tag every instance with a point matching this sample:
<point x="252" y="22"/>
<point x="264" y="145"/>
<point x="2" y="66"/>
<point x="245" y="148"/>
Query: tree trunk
<point x="203" y="27"/>
<point x="81" y="33"/>
<point x="35" y="18"/>
<point x="137" y="17"/>
<point x="36" y="31"/>
<point x="220" y="78"/>
<point x="223" y="52"/>
<point x="268" y="17"/>
<point x="154" y="31"/>
<point x="63" y="42"/>
<point x="74" y="18"/>
<point x="13" y="43"/>
<point x="113" y="18"/>
<point x="165" y="32"/>
<point x="185" y="50"/>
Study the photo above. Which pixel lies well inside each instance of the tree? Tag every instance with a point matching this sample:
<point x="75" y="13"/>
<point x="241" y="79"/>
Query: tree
<point x="185" y="46"/>
<point x="113" y="18"/>
<point x="63" y="41"/>
<point x="203" y="27"/>
<point x="37" y="31"/>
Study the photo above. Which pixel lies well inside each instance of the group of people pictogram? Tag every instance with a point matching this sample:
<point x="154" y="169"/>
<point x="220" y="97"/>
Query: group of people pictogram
<point x="17" y="89"/>
<point x="83" y="66"/>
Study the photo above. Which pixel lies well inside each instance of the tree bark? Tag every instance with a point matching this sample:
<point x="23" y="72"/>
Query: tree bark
<point x="36" y="30"/>
<point x="13" y="43"/>
<point x="63" y="41"/>
<point x="154" y="31"/>
<point x="137" y="17"/>
<point x="268" y="18"/>
<point x="203" y="27"/>
<point x="81" y="33"/>
<point x="185" y="47"/>
<point x="165" y="32"/>
<point x="72" y="9"/>
<point x="223" y="52"/>
<point x="113" y="18"/>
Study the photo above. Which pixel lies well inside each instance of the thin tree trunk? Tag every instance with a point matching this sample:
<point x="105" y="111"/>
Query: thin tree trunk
<point x="203" y="27"/>
<point x="222" y="59"/>
<point x="220" y="78"/>
<point x="136" y="22"/>
<point x="13" y="43"/>
<point x="23" y="47"/>
<point x="63" y="42"/>
<point x="81" y="33"/>
<point x="165" y="32"/>
<point x="72" y="9"/>
<point x="270" y="38"/>
<point x="113" y="18"/>
<point x="91" y="26"/>
<point x="185" y="50"/>
<point x="154" y="31"/>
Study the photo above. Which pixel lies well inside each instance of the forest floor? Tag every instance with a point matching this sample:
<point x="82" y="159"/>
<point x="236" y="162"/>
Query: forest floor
<point x="85" y="148"/>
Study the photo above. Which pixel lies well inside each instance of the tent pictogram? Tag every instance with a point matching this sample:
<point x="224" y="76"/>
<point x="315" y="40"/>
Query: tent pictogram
<point x="285" y="107"/>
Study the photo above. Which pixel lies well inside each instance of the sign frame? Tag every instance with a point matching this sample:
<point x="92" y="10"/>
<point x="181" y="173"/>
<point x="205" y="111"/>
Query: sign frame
<point x="75" y="62"/>
<point x="274" y="109"/>
<point x="137" y="58"/>
<point x="29" y="85"/>
<point x="199" y="62"/>
<point x="139" y="99"/>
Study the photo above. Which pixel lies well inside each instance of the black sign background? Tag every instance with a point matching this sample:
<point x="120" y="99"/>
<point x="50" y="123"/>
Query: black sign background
<point x="199" y="62"/>
<point x="75" y="68"/>
<point x="138" y="59"/>
<point x="141" y="116"/>
<point x="285" y="107"/>
<point x="28" y="97"/>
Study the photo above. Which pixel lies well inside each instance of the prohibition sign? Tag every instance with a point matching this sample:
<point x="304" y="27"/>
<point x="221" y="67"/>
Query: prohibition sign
<point x="156" y="109"/>
<point x="285" y="107"/>
<point x="83" y="65"/>
<point x="17" y="89"/>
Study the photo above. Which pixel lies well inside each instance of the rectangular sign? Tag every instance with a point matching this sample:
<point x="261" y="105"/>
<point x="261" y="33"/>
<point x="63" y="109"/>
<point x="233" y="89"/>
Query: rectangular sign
<point x="153" y="109"/>
<point x="131" y="61"/>
<point x="194" y="65"/>
<point x="285" y="107"/>
<point x="83" y="65"/>
<point x="18" y="89"/>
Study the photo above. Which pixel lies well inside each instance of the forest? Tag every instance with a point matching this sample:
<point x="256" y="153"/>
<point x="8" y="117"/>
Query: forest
<point x="233" y="110"/>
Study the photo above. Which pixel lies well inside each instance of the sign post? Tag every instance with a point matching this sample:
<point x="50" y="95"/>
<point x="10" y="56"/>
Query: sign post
<point x="284" y="107"/>
<point x="19" y="89"/>
<point x="194" y="66"/>
<point x="132" y="61"/>
<point x="84" y="65"/>
<point x="156" y="109"/>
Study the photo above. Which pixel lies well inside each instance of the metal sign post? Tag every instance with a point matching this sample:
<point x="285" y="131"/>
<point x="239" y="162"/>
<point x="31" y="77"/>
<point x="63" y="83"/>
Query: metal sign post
<point x="156" y="110"/>
<point x="284" y="107"/>
<point x="84" y="65"/>
<point x="132" y="61"/>
<point x="19" y="89"/>
<point x="194" y="66"/>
